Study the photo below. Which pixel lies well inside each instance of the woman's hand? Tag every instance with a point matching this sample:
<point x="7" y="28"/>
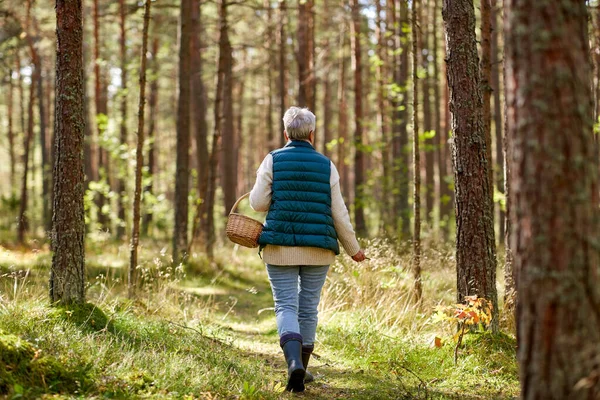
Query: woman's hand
<point x="360" y="256"/>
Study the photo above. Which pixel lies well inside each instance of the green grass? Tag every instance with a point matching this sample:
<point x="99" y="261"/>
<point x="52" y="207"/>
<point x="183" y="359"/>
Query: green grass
<point x="208" y="331"/>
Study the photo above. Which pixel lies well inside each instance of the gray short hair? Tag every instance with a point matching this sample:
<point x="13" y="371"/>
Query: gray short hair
<point x="299" y="122"/>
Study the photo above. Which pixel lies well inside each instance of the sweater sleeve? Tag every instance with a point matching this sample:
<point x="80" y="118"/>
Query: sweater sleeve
<point x="260" y="196"/>
<point x="341" y="218"/>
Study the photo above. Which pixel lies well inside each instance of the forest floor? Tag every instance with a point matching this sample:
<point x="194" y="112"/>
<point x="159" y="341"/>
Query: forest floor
<point x="208" y="332"/>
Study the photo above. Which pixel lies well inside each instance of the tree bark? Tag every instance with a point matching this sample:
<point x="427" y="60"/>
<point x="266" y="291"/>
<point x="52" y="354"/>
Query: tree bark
<point x="101" y="119"/>
<point x="475" y="244"/>
<point x="427" y="151"/>
<point x="11" y="135"/>
<point x="554" y="184"/>
<point x="139" y="158"/>
<point x="342" y="134"/>
<point x="382" y="111"/>
<point x="67" y="276"/>
<point x="306" y="55"/>
<point x="152" y="111"/>
<point x="182" y="173"/>
<point x="222" y="73"/>
<point x="269" y="40"/>
<point x="442" y="186"/>
<point x="229" y="148"/>
<point x="122" y="173"/>
<point x="416" y="239"/>
<point x="359" y="155"/>
<point x="281" y="42"/>
<point x="499" y="164"/>
<point x="400" y="122"/>
<point x="199" y="100"/>
<point x="485" y="68"/>
<point x="23" y="221"/>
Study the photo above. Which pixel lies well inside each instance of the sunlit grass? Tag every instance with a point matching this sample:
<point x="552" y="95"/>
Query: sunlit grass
<point x="207" y="330"/>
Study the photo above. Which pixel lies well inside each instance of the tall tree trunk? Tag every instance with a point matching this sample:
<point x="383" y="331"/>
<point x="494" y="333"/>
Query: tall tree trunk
<point x="400" y="118"/>
<point x="67" y="276"/>
<point x="427" y="151"/>
<point x="416" y="241"/>
<point x="485" y="68"/>
<point x="21" y="91"/>
<point x="342" y="137"/>
<point x="101" y="100"/>
<point x="222" y="74"/>
<point x="597" y="59"/>
<point x="382" y="111"/>
<point x="182" y="173"/>
<point x="199" y="101"/>
<point x="23" y="221"/>
<point x="229" y="145"/>
<point x="11" y="134"/>
<point x="499" y="164"/>
<point x="269" y="39"/>
<point x="281" y="42"/>
<point x="45" y="147"/>
<point x="327" y="108"/>
<point x="306" y="54"/>
<point x="475" y="244"/>
<point x="139" y="158"/>
<point x="152" y="111"/>
<point x="359" y="155"/>
<point x="555" y="224"/>
<point x="122" y="172"/>
<point x="448" y="203"/>
<point x="437" y="114"/>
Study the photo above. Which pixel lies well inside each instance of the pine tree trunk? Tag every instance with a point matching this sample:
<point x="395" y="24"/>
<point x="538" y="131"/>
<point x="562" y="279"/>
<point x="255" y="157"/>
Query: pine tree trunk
<point x="400" y="117"/>
<point x="67" y="276"/>
<point x="499" y="164"/>
<point x="152" y="111"/>
<point x="382" y="111"/>
<point x="448" y="197"/>
<point x="359" y="155"/>
<point x="229" y="147"/>
<point x="182" y="173"/>
<point x="554" y="185"/>
<point x="281" y="42"/>
<point x="269" y="39"/>
<point x="416" y="239"/>
<point x="11" y="134"/>
<point x="427" y="151"/>
<point x="437" y="113"/>
<point x="485" y="67"/>
<point x="23" y="221"/>
<point x="122" y="169"/>
<point x="326" y="133"/>
<point x="200" y="106"/>
<point x="222" y="74"/>
<point x="139" y="159"/>
<point x="100" y="120"/>
<point x="342" y="134"/>
<point x="475" y="244"/>
<point x="305" y="55"/>
<point x="45" y="150"/>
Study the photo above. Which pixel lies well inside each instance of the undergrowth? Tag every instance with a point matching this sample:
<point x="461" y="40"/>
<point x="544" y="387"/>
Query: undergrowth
<point x="207" y="331"/>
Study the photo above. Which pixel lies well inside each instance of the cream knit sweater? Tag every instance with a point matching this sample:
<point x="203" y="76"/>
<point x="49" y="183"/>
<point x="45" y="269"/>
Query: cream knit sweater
<point x="260" y="200"/>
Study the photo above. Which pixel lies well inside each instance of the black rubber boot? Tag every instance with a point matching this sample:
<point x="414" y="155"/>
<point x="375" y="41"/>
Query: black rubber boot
<point x="292" y="350"/>
<point x="306" y="352"/>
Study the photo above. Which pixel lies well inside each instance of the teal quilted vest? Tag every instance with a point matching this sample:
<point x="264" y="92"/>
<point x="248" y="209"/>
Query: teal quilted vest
<point x="300" y="212"/>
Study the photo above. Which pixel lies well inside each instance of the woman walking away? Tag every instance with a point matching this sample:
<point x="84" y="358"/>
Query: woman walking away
<point x="300" y="190"/>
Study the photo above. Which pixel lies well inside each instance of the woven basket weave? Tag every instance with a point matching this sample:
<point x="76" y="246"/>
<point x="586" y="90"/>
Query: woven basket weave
<point x="241" y="229"/>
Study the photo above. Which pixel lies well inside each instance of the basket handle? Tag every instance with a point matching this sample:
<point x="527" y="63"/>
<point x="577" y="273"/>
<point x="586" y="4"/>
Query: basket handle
<point x="237" y="202"/>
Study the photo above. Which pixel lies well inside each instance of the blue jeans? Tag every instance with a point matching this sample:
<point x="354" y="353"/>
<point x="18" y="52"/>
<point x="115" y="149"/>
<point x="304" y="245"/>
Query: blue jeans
<point x="296" y="292"/>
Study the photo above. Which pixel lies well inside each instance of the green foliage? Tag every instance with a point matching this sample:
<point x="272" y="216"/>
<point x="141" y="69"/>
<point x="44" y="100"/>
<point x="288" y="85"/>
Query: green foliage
<point x="209" y="332"/>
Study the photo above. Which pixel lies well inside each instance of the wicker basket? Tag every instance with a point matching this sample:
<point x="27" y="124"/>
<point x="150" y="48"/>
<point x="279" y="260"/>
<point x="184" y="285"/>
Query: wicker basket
<point x="241" y="229"/>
